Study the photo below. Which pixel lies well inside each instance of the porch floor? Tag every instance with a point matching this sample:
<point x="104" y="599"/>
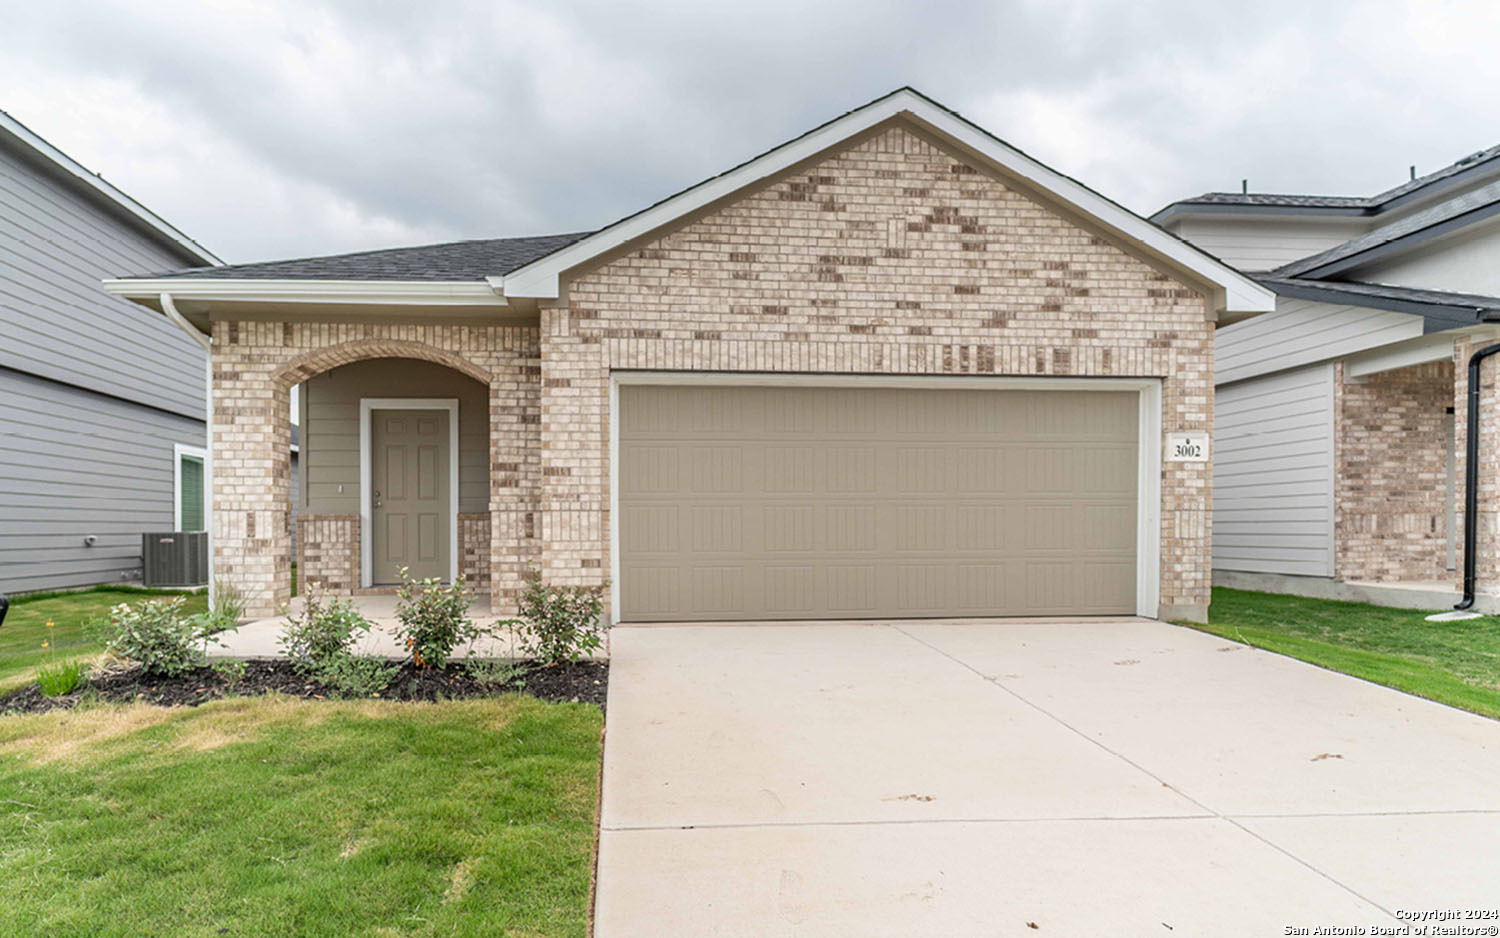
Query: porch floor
<point x="261" y="638"/>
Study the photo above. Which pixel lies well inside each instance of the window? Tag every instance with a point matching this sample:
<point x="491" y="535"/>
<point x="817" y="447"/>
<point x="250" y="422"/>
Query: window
<point x="190" y="488"/>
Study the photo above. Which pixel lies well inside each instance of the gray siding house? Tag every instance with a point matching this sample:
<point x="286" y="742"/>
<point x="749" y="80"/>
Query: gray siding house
<point x="101" y="402"/>
<point x="1339" y="418"/>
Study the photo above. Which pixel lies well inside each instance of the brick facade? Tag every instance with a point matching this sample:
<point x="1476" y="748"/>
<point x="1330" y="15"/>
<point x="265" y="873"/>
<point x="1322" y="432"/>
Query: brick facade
<point x="474" y="557"/>
<point x="254" y="366"/>
<point x="1392" y="471"/>
<point x="891" y="257"/>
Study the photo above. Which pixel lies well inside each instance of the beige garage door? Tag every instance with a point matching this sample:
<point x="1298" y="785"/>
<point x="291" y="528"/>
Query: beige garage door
<point x="753" y="503"/>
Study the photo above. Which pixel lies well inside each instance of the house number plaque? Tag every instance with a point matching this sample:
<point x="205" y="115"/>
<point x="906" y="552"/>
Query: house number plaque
<point x="1187" y="447"/>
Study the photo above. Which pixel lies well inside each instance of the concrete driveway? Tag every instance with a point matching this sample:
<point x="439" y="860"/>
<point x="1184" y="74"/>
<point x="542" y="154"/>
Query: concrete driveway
<point x="1118" y="777"/>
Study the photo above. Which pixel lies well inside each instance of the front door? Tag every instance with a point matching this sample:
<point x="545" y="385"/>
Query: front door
<point x="409" y="500"/>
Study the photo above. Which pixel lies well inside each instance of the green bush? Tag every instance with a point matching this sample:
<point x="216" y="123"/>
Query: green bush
<point x="232" y="670"/>
<point x="434" y="619"/>
<point x="322" y="632"/>
<point x="158" y="636"/>
<point x="494" y="673"/>
<point x="228" y="607"/>
<point x="356" y="675"/>
<point x="559" y="623"/>
<point x="59" y="679"/>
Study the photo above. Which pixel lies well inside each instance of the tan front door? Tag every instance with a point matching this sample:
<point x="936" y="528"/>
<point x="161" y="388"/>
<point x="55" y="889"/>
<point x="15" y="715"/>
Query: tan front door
<point x="748" y="503"/>
<point x="410" y="511"/>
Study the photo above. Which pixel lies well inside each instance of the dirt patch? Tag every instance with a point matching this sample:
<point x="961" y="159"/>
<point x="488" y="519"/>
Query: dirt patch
<point x="583" y="682"/>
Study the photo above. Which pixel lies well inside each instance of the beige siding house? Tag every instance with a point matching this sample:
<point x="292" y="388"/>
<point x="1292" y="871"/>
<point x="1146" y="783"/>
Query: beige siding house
<point x="892" y="368"/>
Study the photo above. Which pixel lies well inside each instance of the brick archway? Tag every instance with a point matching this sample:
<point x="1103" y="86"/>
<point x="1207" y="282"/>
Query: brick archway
<point x="320" y="360"/>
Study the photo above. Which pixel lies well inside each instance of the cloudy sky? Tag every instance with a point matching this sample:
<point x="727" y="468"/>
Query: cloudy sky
<point x="292" y="127"/>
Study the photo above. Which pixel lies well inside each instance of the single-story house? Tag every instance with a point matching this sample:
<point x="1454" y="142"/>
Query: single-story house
<point x="892" y="368"/>
<point x="1340" y="419"/>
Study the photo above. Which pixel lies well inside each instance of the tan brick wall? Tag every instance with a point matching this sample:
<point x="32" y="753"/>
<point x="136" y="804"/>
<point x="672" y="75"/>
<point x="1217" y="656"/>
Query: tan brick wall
<point x="1392" y="471"/>
<point x="890" y="257"/>
<point x="256" y="363"/>
<point x="328" y="553"/>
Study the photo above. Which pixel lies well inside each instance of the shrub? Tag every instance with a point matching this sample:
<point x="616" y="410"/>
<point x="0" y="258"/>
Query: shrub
<point x="434" y="619"/>
<point x="59" y="679"/>
<point x="559" y="623"/>
<point x="158" y="636"/>
<point x="494" y="673"/>
<point x="356" y="675"/>
<point x="322" y="632"/>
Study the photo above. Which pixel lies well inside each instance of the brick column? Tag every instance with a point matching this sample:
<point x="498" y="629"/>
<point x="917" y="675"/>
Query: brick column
<point x="574" y="494"/>
<point x="252" y="477"/>
<point x="515" y="468"/>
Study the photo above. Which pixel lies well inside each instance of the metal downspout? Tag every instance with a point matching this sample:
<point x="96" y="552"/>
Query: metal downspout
<point x="1471" y="476"/>
<point x="170" y="308"/>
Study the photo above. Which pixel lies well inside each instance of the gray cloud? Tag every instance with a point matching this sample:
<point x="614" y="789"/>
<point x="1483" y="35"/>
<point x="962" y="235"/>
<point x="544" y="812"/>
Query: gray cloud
<point x="286" y="128"/>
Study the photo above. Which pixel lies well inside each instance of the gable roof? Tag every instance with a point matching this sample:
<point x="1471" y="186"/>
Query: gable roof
<point x="1233" y="291"/>
<point x="106" y="195"/>
<point x="455" y="260"/>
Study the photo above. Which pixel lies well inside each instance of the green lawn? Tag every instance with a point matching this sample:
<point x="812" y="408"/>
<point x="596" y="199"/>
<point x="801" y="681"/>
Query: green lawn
<point x="71" y="614"/>
<point x="1456" y="663"/>
<point x="275" y="816"/>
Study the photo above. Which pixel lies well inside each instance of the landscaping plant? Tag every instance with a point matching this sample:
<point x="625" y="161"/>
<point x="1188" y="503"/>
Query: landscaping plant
<point x="559" y="623"/>
<point x="357" y="675"/>
<point x="228" y="606"/>
<point x="322" y="632"/>
<point x="59" y="679"/>
<point x="232" y="670"/>
<point x="158" y="635"/>
<point x="493" y="672"/>
<point x="434" y="619"/>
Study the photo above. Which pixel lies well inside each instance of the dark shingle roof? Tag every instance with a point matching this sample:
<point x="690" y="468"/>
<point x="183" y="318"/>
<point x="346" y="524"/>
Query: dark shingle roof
<point x="1456" y="207"/>
<point x="1275" y="199"/>
<point x="1440" y="309"/>
<point x="456" y="260"/>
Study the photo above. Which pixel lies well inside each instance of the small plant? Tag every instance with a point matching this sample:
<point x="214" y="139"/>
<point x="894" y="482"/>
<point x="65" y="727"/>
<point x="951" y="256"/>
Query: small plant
<point x="434" y="619"/>
<point x="356" y="675"/>
<point x="559" y="623"/>
<point x="232" y="670"/>
<point x="493" y="672"/>
<point x="59" y="679"/>
<point x="322" y="632"/>
<point x="228" y="606"/>
<point x="157" y="635"/>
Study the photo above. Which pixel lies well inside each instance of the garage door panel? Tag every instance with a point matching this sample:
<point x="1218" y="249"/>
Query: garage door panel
<point x="853" y="503"/>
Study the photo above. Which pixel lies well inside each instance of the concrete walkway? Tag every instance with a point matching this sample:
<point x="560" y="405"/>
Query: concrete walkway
<point x="1116" y="777"/>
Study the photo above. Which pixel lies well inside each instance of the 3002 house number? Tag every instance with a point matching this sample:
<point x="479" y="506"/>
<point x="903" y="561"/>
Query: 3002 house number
<point x="1187" y="447"/>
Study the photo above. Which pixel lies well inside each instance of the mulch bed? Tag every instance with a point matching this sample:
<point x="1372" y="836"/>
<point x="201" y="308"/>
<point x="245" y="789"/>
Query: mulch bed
<point x="585" y="681"/>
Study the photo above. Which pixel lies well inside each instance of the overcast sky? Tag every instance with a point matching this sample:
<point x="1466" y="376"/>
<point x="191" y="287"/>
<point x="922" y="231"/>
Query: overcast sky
<point x="288" y="128"/>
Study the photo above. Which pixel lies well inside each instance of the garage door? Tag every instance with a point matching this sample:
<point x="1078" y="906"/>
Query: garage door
<point x="763" y="503"/>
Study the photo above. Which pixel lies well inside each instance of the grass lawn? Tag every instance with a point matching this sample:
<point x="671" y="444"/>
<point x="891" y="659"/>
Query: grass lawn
<point x="71" y="614"/>
<point x="1456" y="663"/>
<point x="274" y="816"/>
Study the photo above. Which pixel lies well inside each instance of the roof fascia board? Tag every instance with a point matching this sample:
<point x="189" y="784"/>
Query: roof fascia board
<point x="1436" y="316"/>
<point x="378" y="292"/>
<point x="541" y="279"/>
<point x="1404" y="243"/>
<point x="136" y="212"/>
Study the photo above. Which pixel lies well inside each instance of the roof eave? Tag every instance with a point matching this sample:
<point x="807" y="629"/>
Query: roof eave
<point x="1437" y="317"/>
<point x="375" y="292"/>
<point x="1231" y="292"/>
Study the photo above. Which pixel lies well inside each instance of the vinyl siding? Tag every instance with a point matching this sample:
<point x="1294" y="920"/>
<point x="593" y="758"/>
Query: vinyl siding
<point x="1273" y="473"/>
<point x="1260" y="244"/>
<point x="55" y="246"/>
<point x="73" y="463"/>
<point x="1303" y="332"/>
<point x="330" y="428"/>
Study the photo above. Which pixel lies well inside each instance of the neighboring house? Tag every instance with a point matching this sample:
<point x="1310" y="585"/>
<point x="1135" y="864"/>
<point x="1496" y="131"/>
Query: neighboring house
<point x="101" y="402"/>
<point x="1340" y="418"/>
<point x="892" y="368"/>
